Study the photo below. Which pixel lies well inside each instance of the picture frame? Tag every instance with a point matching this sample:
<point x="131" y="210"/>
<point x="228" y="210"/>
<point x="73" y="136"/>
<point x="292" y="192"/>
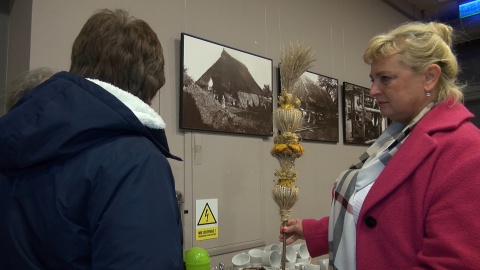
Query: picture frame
<point x="224" y="89"/>
<point x="318" y="95"/>
<point x="362" y="121"/>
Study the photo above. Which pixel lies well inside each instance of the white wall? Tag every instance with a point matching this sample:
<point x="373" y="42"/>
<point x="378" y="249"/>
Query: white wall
<point x="337" y="30"/>
<point x="19" y="34"/>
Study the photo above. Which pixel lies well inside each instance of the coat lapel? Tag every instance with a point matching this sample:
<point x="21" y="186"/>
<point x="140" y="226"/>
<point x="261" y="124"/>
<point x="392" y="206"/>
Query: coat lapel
<point x="415" y="149"/>
<point x="403" y="163"/>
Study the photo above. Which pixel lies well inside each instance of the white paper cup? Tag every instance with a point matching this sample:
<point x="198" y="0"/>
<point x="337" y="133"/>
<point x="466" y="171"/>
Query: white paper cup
<point x="290" y="254"/>
<point x="273" y="247"/>
<point x="304" y="260"/>
<point x="241" y="260"/>
<point x="290" y="265"/>
<point x="255" y="257"/>
<point x="271" y="258"/>
<point x="312" y="267"/>
<point x="302" y="251"/>
<point x="323" y="264"/>
<point x="300" y="266"/>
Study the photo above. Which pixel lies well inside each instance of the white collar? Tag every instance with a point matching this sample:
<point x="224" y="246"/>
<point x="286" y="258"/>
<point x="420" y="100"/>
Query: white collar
<point x="148" y="116"/>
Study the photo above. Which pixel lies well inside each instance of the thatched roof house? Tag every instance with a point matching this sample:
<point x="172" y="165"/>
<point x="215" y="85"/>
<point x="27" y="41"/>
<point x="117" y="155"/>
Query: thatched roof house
<point x="314" y="97"/>
<point x="232" y="80"/>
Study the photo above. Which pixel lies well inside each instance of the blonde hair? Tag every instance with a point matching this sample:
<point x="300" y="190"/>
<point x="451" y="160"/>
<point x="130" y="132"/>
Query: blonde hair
<point x="420" y="45"/>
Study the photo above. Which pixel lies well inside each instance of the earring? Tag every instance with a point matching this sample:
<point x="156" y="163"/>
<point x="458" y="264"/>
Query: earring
<point x="427" y="92"/>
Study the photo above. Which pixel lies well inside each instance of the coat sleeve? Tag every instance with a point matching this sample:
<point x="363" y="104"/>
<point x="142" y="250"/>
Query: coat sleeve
<point x="133" y="211"/>
<point x="316" y="236"/>
<point x="452" y="222"/>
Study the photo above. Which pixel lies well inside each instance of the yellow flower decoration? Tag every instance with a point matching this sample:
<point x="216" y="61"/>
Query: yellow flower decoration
<point x="293" y="150"/>
<point x="297" y="148"/>
<point x="286" y="138"/>
<point x="286" y="182"/>
<point x="288" y="100"/>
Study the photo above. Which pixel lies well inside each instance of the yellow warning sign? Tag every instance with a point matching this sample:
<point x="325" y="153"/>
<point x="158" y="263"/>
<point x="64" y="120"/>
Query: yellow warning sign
<point x="206" y="233"/>
<point x="207" y="217"/>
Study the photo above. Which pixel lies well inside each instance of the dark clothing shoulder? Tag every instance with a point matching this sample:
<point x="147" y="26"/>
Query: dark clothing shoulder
<point x="84" y="183"/>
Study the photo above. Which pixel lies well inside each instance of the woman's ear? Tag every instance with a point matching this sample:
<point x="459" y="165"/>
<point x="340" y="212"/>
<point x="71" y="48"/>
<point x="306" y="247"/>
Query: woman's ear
<point x="432" y="75"/>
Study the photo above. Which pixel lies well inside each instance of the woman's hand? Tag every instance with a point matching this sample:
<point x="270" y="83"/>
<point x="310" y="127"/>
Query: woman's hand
<point x="293" y="231"/>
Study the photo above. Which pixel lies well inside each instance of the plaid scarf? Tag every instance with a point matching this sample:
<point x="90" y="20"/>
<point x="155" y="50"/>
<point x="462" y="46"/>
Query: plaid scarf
<point x="341" y="229"/>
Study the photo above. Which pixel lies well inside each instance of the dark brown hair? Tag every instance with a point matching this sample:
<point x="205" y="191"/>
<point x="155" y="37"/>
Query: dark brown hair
<point x="118" y="49"/>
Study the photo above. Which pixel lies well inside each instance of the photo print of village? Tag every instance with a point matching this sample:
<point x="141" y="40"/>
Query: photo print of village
<point x="318" y="95"/>
<point x="224" y="89"/>
<point x="362" y="121"/>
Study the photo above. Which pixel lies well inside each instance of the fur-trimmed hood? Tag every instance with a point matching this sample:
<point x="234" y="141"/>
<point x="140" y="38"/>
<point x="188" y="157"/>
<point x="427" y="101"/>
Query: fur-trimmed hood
<point x="66" y="115"/>
<point x="142" y="111"/>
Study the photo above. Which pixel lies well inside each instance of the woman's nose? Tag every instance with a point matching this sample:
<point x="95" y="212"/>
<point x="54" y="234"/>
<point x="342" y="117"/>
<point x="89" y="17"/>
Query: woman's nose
<point x="374" y="90"/>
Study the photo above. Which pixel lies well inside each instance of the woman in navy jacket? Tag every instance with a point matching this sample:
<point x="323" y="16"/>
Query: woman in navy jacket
<point x="84" y="177"/>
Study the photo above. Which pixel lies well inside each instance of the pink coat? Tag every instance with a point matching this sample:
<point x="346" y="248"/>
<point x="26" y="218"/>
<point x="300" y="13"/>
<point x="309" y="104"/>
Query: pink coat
<point x="423" y="212"/>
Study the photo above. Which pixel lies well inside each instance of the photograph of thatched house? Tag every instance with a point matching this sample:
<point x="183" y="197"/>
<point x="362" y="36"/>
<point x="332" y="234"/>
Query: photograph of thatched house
<point x="362" y="121"/>
<point x="319" y="103"/>
<point x="224" y="89"/>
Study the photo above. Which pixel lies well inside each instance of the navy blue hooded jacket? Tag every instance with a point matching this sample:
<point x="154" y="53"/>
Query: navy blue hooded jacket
<point x="84" y="181"/>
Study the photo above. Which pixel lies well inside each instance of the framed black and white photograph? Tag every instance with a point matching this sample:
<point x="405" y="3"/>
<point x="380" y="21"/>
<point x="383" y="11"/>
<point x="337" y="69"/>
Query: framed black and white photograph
<point x="318" y="95"/>
<point x="224" y="89"/>
<point x="362" y="121"/>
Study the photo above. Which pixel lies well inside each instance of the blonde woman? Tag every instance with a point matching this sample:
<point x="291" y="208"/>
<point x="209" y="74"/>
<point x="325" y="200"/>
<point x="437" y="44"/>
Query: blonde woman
<point x="411" y="202"/>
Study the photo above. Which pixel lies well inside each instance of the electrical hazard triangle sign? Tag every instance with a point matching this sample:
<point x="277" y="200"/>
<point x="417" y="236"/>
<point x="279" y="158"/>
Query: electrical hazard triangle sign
<point x="207" y="216"/>
<point x="206" y="212"/>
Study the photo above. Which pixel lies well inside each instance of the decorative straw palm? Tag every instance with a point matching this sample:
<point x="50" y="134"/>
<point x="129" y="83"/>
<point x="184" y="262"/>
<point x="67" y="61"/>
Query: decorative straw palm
<point x="295" y="60"/>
